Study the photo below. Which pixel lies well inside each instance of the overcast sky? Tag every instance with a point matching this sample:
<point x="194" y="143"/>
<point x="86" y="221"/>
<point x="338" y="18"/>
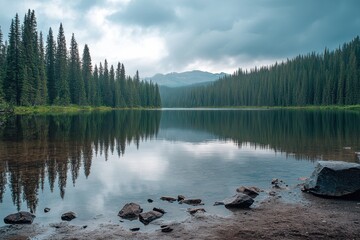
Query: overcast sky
<point x="161" y="36"/>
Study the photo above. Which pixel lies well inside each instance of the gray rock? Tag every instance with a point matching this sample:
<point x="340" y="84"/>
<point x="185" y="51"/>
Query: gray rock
<point x="193" y="202"/>
<point x="130" y="211"/>
<point x="68" y="216"/>
<point x="239" y="200"/>
<point x="192" y="211"/>
<point x="19" y="218"/>
<point x="180" y="198"/>
<point x="250" y="191"/>
<point x="150" y="216"/>
<point x="169" y="199"/>
<point x="335" y="179"/>
<point x="159" y="210"/>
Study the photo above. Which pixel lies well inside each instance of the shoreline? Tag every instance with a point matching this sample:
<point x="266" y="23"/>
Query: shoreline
<point x="273" y="218"/>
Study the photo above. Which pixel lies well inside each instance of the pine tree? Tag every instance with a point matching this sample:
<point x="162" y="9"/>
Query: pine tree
<point x="14" y="62"/>
<point x="119" y="100"/>
<point x="76" y="84"/>
<point x="2" y="65"/>
<point x="111" y="91"/>
<point x="61" y="81"/>
<point x="87" y="76"/>
<point x="50" y="66"/>
<point x="42" y="91"/>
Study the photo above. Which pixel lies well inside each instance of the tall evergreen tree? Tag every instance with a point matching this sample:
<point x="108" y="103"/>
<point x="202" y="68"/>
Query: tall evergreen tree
<point x="2" y="65"/>
<point x="61" y="81"/>
<point x="42" y="91"/>
<point x="119" y="100"/>
<point x="87" y="76"/>
<point x="50" y="66"/>
<point x="14" y="62"/>
<point x="76" y="84"/>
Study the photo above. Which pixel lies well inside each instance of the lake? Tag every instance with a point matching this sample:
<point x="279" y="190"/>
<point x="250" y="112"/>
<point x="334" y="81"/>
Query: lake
<point x="94" y="163"/>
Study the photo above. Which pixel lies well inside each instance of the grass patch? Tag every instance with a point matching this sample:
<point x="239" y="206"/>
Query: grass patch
<point x="58" y="109"/>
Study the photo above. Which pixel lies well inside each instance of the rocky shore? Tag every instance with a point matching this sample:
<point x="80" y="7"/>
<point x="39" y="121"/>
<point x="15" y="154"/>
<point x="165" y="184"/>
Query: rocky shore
<point x="272" y="218"/>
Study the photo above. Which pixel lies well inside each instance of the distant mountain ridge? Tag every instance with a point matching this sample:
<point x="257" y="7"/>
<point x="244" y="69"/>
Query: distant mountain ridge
<point x="185" y="78"/>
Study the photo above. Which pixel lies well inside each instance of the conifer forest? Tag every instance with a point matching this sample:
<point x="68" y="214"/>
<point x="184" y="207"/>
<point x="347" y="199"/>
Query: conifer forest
<point x="330" y="78"/>
<point x="35" y="73"/>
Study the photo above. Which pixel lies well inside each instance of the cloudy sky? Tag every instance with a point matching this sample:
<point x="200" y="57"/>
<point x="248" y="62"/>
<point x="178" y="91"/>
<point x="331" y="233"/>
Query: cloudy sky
<point x="161" y="36"/>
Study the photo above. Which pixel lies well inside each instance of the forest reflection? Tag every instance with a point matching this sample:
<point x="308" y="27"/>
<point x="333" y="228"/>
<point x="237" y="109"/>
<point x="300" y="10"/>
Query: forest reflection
<point x="36" y="149"/>
<point x="311" y="135"/>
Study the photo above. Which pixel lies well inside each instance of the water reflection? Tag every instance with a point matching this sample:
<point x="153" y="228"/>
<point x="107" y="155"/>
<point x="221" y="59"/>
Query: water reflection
<point x="328" y="135"/>
<point x="39" y="152"/>
<point x="34" y="148"/>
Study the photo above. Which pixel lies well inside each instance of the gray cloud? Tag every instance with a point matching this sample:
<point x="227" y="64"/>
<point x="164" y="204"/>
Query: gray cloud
<point x="145" y="13"/>
<point x="232" y="33"/>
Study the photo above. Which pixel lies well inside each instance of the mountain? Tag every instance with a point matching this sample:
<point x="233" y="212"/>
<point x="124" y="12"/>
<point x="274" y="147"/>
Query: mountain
<point x="185" y="78"/>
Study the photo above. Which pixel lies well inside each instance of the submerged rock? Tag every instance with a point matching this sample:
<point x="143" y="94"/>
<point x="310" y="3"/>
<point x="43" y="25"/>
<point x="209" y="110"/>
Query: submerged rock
<point x="180" y="198"/>
<point x="169" y="199"/>
<point x="159" y="210"/>
<point x="130" y="211"/>
<point x="250" y="191"/>
<point x="193" y="202"/>
<point x="68" y="216"/>
<point x="192" y="211"/>
<point x="335" y="179"/>
<point x="150" y="216"/>
<point x="239" y="200"/>
<point x="19" y="218"/>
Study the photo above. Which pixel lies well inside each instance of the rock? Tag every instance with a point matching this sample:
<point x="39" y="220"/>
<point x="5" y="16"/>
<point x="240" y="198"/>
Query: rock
<point x="192" y="211"/>
<point x="150" y="216"/>
<point x="335" y="179"/>
<point x="272" y="193"/>
<point x="46" y="210"/>
<point x="68" y="216"/>
<point x="250" y="191"/>
<point x="218" y="203"/>
<point x="239" y="200"/>
<point x="275" y="181"/>
<point x="166" y="229"/>
<point x="160" y="210"/>
<point x="130" y="211"/>
<point x="180" y="198"/>
<point x="193" y="202"/>
<point x="135" y="229"/>
<point x="169" y="199"/>
<point x="150" y="200"/>
<point x="19" y="218"/>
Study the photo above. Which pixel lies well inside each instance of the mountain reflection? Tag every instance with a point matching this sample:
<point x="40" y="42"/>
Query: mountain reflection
<point x="34" y="148"/>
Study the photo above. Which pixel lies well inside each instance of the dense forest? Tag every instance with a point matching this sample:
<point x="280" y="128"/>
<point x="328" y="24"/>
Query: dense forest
<point x="32" y="73"/>
<point x="330" y="78"/>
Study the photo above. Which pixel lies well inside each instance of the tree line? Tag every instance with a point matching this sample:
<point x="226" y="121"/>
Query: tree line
<point x="330" y="78"/>
<point x="32" y="73"/>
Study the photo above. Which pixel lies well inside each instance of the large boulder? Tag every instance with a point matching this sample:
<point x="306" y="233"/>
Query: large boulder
<point x="150" y="216"/>
<point x="130" y="211"/>
<point x="239" y="200"/>
<point x="335" y="179"/>
<point x="19" y="218"/>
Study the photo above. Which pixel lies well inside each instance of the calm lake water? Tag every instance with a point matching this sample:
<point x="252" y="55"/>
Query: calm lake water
<point x="94" y="163"/>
